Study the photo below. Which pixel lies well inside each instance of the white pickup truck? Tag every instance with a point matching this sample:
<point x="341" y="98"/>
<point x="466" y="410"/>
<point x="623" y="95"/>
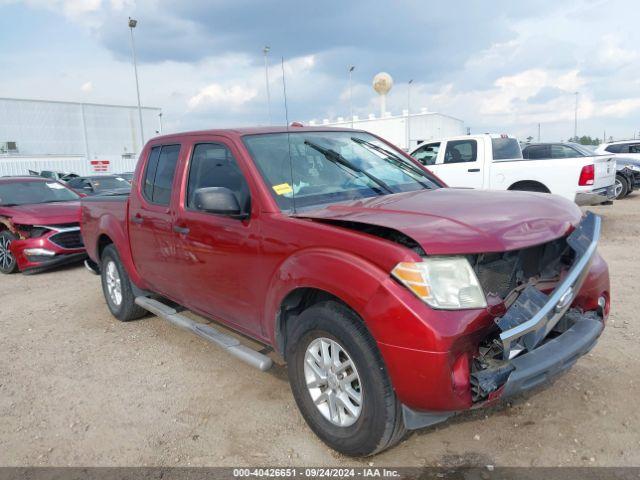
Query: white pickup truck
<point x="495" y="162"/>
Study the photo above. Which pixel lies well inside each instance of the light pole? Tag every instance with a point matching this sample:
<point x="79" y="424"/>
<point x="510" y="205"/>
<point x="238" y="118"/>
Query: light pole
<point x="409" y="115"/>
<point x="351" y="69"/>
<point x="575" y="119"/>
<point x="132" y="25"/>
<point x="265" y="51"/>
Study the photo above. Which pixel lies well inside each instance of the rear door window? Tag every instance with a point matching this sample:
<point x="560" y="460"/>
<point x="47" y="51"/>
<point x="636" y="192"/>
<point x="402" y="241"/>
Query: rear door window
<point x="460" y="151"/>
<point x="159" y="174"/>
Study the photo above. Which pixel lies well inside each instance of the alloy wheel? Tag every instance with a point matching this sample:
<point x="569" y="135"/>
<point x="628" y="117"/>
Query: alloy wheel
<point x="6" y="257"/>
<point x="333" y="382"/>
<point x="114" y="284"/>
<point x="618" y="188"/>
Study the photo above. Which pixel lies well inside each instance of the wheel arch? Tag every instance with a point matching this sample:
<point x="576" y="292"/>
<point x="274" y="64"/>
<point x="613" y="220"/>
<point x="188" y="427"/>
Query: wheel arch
<point x="297" y="301"/>
<point x="529" y="186"/>
<point x="309" y="277"/>
<point x="103" y="241"/>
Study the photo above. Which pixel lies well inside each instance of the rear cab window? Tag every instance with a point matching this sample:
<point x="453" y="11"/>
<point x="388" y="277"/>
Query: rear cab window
<point x="505" y="148"/>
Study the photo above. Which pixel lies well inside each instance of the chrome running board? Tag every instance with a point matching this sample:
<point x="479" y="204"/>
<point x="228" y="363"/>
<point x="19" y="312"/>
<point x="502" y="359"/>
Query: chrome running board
<point x="231" y="344"/>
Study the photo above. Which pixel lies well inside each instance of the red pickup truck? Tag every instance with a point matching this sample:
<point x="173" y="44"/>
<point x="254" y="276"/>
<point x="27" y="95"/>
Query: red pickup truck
<point x="395" y="301"/>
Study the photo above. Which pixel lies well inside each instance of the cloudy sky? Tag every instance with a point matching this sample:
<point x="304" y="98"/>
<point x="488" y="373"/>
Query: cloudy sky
<point x="501" y="66"/>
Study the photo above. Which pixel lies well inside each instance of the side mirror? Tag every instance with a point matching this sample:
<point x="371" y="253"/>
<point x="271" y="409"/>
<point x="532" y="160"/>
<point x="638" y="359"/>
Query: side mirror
<point x="218" y="200"/>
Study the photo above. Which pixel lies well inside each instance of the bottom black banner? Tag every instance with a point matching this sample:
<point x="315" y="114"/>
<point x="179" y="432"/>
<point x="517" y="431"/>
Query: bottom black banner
<point x="196" y="473"/>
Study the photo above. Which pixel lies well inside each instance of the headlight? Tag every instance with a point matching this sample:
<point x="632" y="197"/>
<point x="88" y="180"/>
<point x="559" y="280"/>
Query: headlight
<point x="447" y="283"/>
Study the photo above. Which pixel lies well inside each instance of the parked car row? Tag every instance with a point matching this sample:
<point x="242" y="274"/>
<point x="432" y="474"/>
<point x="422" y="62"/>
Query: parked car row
<point x="40" y="214"/>
<point x="627" y="168"/>
<point x="39" y="224"/>
<point x="496" y="162"/>
<point x="395" y="301"/>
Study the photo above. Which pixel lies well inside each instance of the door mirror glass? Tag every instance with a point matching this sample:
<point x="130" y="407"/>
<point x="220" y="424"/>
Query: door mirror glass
<point x="218" y="200"/>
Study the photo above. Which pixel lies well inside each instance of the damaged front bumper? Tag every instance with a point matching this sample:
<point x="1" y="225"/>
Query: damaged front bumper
<point x="534" y="318"/>
<point x="534" y="314"/>
<point x="56" y="247"/>
<point x="539" y="336"/>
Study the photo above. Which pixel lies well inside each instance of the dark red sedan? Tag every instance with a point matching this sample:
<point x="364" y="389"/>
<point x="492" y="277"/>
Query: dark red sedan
<point x="39" y="225"/>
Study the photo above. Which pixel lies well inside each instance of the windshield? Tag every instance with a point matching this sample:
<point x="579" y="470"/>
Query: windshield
<point x="30" y="192"/>
<point x="329" y="167"/>
<point x="109" y="183"/>
<point x="506" y="148"/>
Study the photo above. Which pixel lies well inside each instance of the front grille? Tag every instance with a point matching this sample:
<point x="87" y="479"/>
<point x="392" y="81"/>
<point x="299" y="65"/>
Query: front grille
<point x="497" y="272"/>
<point x="500" y="273"/>
<point x="70" y="239"/>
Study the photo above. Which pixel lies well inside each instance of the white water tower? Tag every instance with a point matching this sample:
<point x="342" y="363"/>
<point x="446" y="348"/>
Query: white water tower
<point x="382" y="83"/>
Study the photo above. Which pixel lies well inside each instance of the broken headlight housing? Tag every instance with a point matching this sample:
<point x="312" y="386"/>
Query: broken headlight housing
<point x="447" y="283"/>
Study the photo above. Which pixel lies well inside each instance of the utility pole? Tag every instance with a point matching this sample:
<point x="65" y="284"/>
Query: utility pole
<point x="538" y="133"/>
<point x="409" y="115"/>
<point x="351" y="69"/>
<point x="265" y="51"/>
<point x="575" y="119"/>
<point x="132" y="25"/>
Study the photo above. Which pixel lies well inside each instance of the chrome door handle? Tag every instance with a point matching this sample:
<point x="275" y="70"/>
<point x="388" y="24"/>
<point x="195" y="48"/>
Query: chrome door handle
<point x="137" y="218"/>
<point x="473" y="170"/>
<point x="181" y="230"/>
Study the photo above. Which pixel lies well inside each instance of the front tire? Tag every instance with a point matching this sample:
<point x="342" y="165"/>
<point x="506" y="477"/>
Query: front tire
<point x="340" y="383"/>
<point x="116" y="287"/>
<point x="8" y="262"/>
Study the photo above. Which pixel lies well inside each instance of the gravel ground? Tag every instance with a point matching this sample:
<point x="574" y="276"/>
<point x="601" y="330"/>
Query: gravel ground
<point x="79" y="388"/>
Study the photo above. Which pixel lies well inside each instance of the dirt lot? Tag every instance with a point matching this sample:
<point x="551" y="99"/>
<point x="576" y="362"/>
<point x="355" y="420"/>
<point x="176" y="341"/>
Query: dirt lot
<point x="78" y="388"/>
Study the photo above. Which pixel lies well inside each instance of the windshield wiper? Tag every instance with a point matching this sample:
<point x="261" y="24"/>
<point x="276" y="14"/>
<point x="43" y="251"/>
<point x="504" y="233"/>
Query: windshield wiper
<point x="336" y="158"/>
<point x="9" y="204"/>
<point x="392" y="157"/>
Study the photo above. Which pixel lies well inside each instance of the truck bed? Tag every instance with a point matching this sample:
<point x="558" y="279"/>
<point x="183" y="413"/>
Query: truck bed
<point x="98" y="211"/>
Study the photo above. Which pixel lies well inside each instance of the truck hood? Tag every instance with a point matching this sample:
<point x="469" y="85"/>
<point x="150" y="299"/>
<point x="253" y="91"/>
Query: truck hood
<point x="448" y="221"/>
<point x="43" y="213"/>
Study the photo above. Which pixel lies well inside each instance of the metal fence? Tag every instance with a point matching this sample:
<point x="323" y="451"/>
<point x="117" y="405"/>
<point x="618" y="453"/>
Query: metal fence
<point x="20" y="165"/>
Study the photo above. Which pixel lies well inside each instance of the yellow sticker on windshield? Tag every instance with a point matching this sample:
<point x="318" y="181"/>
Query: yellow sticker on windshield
<point x="282" y="189"/>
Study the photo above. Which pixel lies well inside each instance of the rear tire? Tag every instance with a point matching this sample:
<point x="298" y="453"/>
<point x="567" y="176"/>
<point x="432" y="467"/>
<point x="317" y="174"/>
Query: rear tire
<point x="355" y="371"/>
<point x="8" y="264"/>
<point x="621" y="187"/>
<point x="116" y="287"/>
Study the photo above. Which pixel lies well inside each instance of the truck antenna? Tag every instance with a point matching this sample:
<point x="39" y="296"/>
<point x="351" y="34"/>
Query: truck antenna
<point x="286" y="116"/>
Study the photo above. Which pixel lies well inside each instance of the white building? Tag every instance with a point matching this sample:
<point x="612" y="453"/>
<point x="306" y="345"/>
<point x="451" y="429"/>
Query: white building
<point x="71" y="137"/>
<point x="405" y="131"/>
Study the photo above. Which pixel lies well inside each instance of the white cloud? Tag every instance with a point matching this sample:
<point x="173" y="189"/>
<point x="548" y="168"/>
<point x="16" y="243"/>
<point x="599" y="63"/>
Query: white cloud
<point x="612" y="55"/>
<point x="87" y="87"/>
<point x="217" y="95"/>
